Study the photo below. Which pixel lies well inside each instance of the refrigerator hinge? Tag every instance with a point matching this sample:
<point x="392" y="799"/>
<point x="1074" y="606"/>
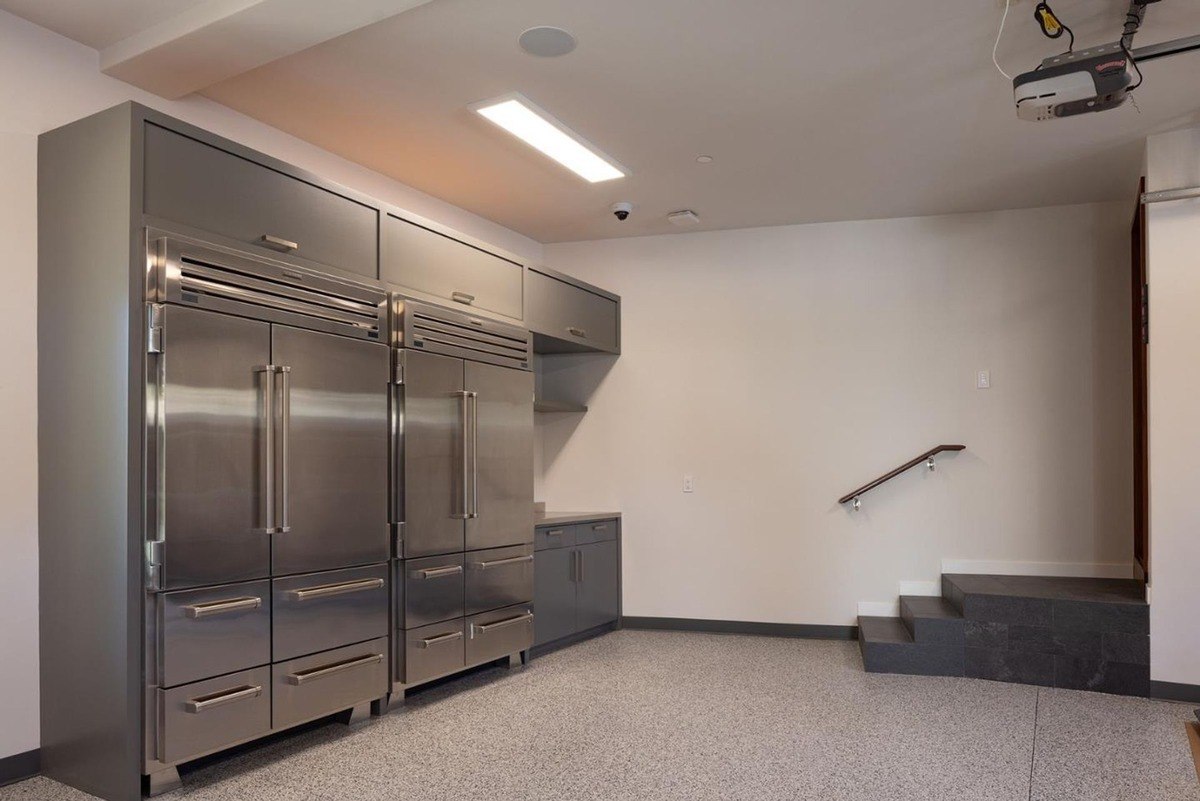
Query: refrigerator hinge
<point x="398" y="368"/>
<point x="154" y="564"/>
<point x="398" y="539"/>
<point x="154" y="328"/>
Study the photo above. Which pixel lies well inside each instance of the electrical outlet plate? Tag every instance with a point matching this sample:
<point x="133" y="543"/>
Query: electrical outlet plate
<point x="689" y="484"/>
<point x="983" y="379"/>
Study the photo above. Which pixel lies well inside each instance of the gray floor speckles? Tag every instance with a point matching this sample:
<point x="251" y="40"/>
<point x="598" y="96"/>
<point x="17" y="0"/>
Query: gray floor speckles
<point x="655" y="715"/>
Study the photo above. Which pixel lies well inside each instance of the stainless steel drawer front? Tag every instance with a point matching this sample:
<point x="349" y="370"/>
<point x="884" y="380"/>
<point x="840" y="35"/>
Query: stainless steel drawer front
<point x="213" y="631"/>
<point x="498" y="577"/>
<point x="433" y="590"/>
<point x="209" y="715"/>
<point x="432" y="651"/>
<point x="307" y="688"/>
<point x="498" y="633"/>
<point x="318" y="611"/>
<point x="555" y="537"/>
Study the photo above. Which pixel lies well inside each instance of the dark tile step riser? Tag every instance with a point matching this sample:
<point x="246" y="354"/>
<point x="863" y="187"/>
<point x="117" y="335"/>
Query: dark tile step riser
<point x="912" y="659"/>
<point x="1061" y="615"/>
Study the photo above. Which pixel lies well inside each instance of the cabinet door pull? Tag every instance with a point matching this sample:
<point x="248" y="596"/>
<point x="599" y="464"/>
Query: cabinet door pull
<point x="512" y="560"/>
<point x="576" y="332"/>
<point x="278" y="243"/>
<point x="330" y="670"/>
<point x="484" y="628"/>
<point x="205" y="702"/>
<point x="429" y="642"/>
<point x="197" y="611"/>
<point x="462" y="297"/>
<point x="328" y="590"/>
<point x="437" y="572"/>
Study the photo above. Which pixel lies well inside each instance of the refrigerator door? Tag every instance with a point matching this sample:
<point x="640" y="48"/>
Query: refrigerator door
<point x="430" y="440"/>
<point x="500" y="456"/>
<point x="331" y="451"/>
<point x="209" y="488"/>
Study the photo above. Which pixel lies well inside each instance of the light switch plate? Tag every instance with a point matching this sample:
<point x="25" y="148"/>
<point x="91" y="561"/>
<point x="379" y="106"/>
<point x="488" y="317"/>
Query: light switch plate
<point x="689" y="484"/>
<point x="983" y="379"/>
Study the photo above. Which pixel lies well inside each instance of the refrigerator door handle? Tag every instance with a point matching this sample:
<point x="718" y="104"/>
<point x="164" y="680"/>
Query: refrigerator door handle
<point x="464" y="422"/>
<point x="474" y="398"/>
<point x="285" y="437"/>
<point x="267" y="455"/>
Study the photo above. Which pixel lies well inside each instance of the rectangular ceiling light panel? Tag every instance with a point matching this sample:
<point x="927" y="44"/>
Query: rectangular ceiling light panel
<point x="535" y="127"/>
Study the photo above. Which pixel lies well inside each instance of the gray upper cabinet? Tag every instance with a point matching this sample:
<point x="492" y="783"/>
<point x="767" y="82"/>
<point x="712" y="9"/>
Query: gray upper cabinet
<point x="201" y="186"/>
<point x="568" y="316"/>
<point x="432" y="264"/>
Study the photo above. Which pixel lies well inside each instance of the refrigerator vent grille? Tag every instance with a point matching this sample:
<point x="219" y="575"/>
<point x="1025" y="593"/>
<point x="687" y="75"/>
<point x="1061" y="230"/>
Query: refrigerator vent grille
<point x="453" y="333"/>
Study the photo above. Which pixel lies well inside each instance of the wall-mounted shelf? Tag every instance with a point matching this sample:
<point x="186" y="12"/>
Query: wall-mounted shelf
<point x="548" y="406"/>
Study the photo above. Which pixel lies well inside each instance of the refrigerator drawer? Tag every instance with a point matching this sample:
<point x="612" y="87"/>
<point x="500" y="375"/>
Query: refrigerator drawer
<point x="217" y="630"/>
<point x="431" y="590"/>
<point x="431" y="651"/>
<point x="553" y="537"/>
<point x="597" y="531"/>
<point x="318" y="611"/>
<point x="328" y="682"/>
<point x="499" y="633"/>
<point x="208" y="715"/>
<point x="498" y="577"/>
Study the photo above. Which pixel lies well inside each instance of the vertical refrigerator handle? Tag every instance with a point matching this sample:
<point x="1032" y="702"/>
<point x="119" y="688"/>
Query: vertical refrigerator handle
<point x="266" y="514"/>
<point x="473" y="397"/>
<point x="464" y="421"/>
<point x="285" y="438"/>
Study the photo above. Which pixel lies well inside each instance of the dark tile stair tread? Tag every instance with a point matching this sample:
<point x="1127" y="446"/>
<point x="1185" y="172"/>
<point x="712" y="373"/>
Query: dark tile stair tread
<point x="930" y="606"/>
<point x="883" y="629"/>
<point x="1059" y="588"/>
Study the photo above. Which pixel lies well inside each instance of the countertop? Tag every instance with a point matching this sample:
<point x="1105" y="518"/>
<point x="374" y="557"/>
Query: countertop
<point x="566" y="518"/>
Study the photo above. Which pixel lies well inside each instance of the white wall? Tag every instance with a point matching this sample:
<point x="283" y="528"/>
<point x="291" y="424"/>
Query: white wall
<point x="1173" y="161"/>
<point x="47" y="81"/>
<point x="782" y="367"/>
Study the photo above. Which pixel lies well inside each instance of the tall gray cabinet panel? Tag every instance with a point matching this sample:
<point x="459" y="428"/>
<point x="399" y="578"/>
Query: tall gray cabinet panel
<point x="597" y="577"/>
<point x="211" y="422"/>
<point x="336" y="460"/>
<point x="554" y="594"/>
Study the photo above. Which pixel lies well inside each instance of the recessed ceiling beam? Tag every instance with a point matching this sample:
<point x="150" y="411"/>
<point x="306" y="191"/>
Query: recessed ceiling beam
<point x="220" y="39"/>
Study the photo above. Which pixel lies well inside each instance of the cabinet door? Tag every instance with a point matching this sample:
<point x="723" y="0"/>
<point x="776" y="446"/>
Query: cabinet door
<point x="599" y="588"/>
<point x="334" y="495"/>
<point x="502" y="456"/>
<point x="430" y="484"/>
<point x="553" y="594"/>
<point x="573" y="318"/>
<point x="210" y="488"/>
<point x="431" y="263"/>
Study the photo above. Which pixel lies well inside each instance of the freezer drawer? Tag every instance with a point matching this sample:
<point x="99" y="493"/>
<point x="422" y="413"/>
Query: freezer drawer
<point x="498" y="633"/>
<point x="431" y="651"/>
<point x="318" y="611"/>
<point x="598" y="531"/>
<point x="206" y="716"/>
<point x="498" y="577"/>
<point x="573" y="317"/>
<point x="204" y="187"/>
<point x="553" y="537"/>
<point x="328" y="682"/>
<point x="431" y="590"/>
<point x="212" y="631"/>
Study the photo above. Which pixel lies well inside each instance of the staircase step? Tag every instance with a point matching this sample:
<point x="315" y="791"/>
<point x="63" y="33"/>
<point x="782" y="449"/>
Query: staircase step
<point x="887" y="647"/>
<point x="1091" y="604"/>
<point x="932" y="619"/>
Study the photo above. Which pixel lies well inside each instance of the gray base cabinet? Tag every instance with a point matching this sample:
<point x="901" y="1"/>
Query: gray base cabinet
<point x="577" y="582"/>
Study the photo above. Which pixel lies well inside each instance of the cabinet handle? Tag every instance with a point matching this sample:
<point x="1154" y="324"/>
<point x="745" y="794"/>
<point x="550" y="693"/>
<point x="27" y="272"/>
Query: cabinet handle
<point x="512" y="560"/>
<point x="557" y="532"/>
<point x="601" y="527"/>
<point x="579" y="573"/>
<point x="437" y="572"/>
<point x="438" y="640"/>
<point x="211" y="608"/>
<point x="278" y="243"/>
<point x="484" y="628"/>
<point x="330" y="670"/>
<point x="462" y="297"/>
<point x="576" y="332"/>
<point x="328" y="590"/>
<point x="204" y="702"/>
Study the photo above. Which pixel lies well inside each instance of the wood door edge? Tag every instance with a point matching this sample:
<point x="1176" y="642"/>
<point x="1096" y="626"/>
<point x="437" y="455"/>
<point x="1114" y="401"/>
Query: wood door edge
<point x="1193" y="735"/>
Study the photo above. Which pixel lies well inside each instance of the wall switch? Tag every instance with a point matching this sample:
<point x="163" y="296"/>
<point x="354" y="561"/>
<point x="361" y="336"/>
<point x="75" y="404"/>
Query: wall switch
<point x="983" y="379"/>
<point x="689" y="484"/>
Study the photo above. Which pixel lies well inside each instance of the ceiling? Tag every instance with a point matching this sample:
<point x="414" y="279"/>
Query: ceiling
<point x="98" y="23"/>
<point x="811" y="111"/>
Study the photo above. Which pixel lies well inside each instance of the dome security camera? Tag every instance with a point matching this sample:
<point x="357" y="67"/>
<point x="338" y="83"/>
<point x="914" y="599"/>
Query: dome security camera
<point x="622" y="210"/>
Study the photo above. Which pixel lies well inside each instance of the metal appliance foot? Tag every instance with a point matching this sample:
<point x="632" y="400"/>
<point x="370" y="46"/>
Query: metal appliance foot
<point x="379" y="707"/>
<point x="356" y="715"/>
<point x="519" y="659"/>
<point x="163" y="781"/>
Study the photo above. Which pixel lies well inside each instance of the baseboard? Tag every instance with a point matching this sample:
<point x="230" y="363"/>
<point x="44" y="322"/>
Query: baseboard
<point x="1013" y="568"/>
<point x="808" y="631"/>
<point x="1171" y="691"/>
<point x="19" y="766"/>
<point x="879" y="608"/>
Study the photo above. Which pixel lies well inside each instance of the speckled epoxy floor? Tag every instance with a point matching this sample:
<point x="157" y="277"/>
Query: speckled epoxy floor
<point x="654" y="715"/>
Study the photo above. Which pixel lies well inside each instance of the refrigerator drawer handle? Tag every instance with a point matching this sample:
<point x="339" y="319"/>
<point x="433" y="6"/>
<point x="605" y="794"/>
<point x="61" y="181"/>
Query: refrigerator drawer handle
<point x="481" y="629"/>
<point x="429" y="642"/>
<point x="512" y="560"/>
<point x="297" y="679"/>
<point x="577" y="332"/>
<point x="462" y="297"/>
<point x="278" y="243"/>
<point x="437" y="572"/>
<point x="197" y="611"/>
<point x="329" y="590"/>
<point x="206" y="702"/>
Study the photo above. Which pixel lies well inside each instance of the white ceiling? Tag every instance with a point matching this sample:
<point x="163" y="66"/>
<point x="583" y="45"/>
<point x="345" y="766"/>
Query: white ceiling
<point x="812" y="111"/>
<point x="98" y="23"/>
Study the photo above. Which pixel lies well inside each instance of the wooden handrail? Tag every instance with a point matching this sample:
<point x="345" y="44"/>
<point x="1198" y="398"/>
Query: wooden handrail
<point x="906" y="466"/>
